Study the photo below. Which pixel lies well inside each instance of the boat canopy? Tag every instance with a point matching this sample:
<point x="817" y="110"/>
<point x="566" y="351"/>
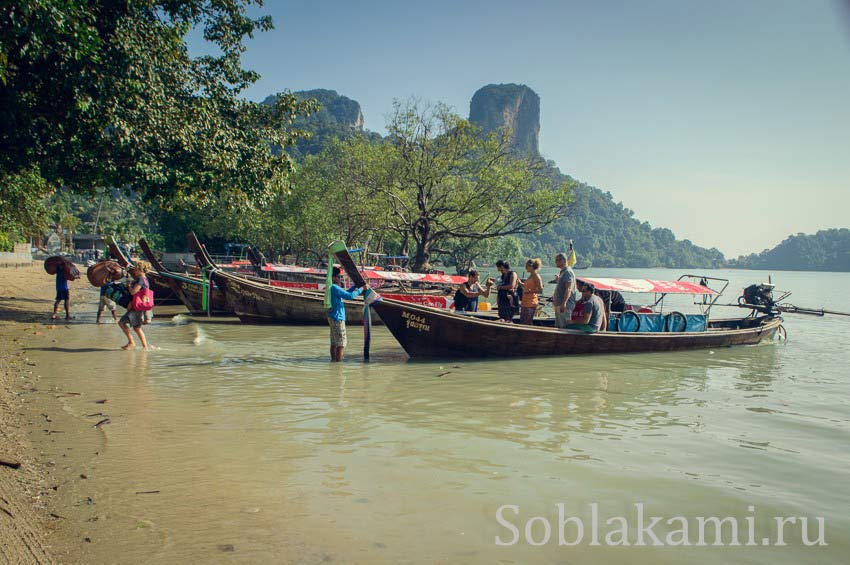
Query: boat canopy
<point x="413" y="277"/>
<point x="648" y="286"/>
<point x="373" y="273"/>
<point x="293" y="269"/>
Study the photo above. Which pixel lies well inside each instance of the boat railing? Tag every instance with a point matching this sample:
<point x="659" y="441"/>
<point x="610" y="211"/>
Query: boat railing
<point x="708" y="300"/>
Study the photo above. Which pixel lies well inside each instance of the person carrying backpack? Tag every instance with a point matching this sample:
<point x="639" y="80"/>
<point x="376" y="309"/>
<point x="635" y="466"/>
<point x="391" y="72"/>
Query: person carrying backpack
<point x="140" y="303"/>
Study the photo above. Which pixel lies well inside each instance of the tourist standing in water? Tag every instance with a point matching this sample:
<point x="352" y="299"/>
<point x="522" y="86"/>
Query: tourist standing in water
<point x="135" y="318"/>
<point x="336" y="315"/>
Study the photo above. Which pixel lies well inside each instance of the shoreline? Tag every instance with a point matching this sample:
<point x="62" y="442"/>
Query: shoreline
<point x="34" y="527"/>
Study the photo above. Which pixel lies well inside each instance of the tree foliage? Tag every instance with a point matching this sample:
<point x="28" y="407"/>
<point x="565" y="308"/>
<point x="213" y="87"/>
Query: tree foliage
<point x="606" y="234"/>
<point x="109" y="211"/>
<point x="23" y="213"/>
<point x="106" y="94"/>
<point x="433" y="186"/>
<point x="826" y="250"/>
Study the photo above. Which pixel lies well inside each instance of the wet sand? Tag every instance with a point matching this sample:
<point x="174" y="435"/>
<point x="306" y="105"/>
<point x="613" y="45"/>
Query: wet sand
<point x="31" y="420"/>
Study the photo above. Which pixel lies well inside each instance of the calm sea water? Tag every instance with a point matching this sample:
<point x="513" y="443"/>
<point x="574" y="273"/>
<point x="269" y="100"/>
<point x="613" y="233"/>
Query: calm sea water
<point x="262" y="451"/>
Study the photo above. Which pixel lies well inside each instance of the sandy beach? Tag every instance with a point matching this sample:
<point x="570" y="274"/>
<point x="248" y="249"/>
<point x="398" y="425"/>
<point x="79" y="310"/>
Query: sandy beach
<point x="31" y="420"/>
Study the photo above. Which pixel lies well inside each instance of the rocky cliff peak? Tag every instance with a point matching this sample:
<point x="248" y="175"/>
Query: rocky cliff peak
<point x="336" y="109"/>
<point x="513" y="105"/>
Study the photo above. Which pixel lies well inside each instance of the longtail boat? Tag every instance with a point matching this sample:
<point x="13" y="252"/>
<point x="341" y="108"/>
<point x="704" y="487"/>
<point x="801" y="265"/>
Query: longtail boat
<point x="189" y="289"/>
<point x="269" y="301"/>
<point x="388" y="282"/>
<point x="163" y="293"/>
<point x="429" y="333"/>
<point x="257" y="301"/>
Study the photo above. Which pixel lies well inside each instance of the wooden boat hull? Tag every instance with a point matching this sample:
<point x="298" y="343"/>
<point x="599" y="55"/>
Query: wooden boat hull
<point x="256" y="301"/>
<point x="163" y="294"/>
<point x="187" y="289"/>
<point x="425" y="332"/>
<point x="190" y="291"/>
<point x="261" y="303"/>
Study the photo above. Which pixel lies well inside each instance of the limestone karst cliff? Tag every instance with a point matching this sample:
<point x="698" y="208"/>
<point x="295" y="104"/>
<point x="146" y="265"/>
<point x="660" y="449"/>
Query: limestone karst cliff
<point x="513" y="105"/>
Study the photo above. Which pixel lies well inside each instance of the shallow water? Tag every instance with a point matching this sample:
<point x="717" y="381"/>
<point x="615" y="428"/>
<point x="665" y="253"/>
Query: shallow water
<point x="263" y="451"/>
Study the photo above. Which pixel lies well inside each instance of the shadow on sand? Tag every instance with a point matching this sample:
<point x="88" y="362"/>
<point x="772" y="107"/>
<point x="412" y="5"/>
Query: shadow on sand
<point x="71" y="349"/>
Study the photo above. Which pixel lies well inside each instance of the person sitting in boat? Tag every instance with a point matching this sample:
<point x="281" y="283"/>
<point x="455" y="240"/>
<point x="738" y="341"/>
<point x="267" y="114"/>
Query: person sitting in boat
<point x="592" y="311"/>
<point x="531" y="289"/>
<point x="613" y="300"/>
<point x="506" y="298"/>
<point x="466" y="296"/>
<point x="336" y="315"/>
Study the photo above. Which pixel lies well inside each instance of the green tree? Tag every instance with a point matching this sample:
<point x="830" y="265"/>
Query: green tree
<point x="105" y="94"/>
<point x="826" y="250"/>
<point x="444" y="181"/>
<point x="462" y="253"/>
<point x="333" y="198"/>
<point x="23" y="214"/>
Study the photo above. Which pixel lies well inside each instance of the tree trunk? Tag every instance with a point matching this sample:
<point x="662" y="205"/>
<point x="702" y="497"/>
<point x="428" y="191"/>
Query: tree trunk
<point x="422" y="237"/>
<point x="421" y="260"/>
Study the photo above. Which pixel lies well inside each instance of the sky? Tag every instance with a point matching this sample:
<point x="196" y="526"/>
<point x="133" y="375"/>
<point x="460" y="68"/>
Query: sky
<point x="725" y="121"/>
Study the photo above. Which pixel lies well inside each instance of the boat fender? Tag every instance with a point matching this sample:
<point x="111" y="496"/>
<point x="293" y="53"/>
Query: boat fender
<point x="675" y="322"/>
<point x="630" y="315"/>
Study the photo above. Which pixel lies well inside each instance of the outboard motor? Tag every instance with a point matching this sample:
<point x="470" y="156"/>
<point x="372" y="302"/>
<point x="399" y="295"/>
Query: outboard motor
<point x="759" y="296"/>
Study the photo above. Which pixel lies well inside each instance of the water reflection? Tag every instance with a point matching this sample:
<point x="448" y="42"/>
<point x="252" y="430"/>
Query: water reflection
<point x="537" y="403"/>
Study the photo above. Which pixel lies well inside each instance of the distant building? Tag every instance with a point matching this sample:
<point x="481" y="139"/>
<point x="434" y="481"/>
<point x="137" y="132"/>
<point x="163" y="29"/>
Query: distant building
<point x="85" y="241"/>
<point x="53" y="243"/>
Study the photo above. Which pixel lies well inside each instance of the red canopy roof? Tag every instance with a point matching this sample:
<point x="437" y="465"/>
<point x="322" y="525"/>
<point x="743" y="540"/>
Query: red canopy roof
<point x="418" y="277"/>
<point x="647" y="285"/>
<point x="373" y="273"/>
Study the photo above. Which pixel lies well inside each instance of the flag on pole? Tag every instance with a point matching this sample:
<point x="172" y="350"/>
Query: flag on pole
<point x="571" y="258"/>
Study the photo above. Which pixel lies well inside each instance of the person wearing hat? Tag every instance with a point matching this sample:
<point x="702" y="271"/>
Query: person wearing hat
<point x="336" y="315"/>
<point x="592" y="309"/>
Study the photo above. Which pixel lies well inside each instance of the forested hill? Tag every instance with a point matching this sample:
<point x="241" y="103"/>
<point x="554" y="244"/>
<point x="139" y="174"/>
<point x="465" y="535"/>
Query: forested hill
<point x="826" y="250"/>
<point x="338" y="116"/>
<point x="605" y="233"/>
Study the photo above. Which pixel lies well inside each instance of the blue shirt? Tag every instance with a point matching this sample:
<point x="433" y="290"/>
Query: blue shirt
<point x="61" y="281"/>
<point x="338" y="294"/>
